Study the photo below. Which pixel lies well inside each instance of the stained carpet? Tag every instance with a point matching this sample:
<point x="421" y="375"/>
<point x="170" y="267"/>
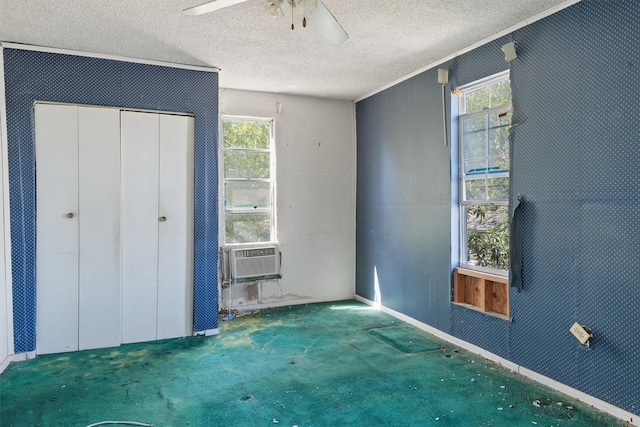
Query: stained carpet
<point x="331" y="364"/>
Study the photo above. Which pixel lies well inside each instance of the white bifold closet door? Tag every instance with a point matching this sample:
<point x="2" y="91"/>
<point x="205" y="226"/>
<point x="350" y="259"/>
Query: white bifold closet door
<point x="99" y="230"/>
<point x="113" y="252"/>
<point x="78" y="228"/>
<point x="156" y="260"/>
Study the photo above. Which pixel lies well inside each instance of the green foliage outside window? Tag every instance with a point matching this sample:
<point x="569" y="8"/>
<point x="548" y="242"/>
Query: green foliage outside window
<point x="247" y="228"/>
<point x="488" y="236"/>
<point x="487" y="97"/>
<point x="247" y="180"/>
<point x="485" y="167"/>
<point x="246" y="149"/>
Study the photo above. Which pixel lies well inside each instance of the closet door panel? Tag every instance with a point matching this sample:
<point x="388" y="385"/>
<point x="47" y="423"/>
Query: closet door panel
<point x="99" y="227"/>
<point x="56" y="134"/>
<point x="139" y="260"/>
<point x="174" y="252"/>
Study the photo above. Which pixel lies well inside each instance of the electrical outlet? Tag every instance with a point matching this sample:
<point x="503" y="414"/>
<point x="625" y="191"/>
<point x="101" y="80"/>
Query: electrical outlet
<point x="581" y="333"/>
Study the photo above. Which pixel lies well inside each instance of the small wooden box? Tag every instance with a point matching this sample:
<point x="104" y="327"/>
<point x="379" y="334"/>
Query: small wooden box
<point x="487" y="292"/>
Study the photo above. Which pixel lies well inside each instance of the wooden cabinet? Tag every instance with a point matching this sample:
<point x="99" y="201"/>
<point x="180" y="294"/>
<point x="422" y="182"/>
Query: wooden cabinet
<point x="488" y="293"/>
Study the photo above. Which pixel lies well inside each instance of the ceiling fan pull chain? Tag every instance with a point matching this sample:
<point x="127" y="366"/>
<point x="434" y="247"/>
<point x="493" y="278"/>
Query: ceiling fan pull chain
<point x="304" y="14"/>
<point x="314" y="11"/>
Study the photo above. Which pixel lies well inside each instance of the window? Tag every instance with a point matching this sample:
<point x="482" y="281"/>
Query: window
<point x="248" y="156"/>
<point x="483" y="127"/>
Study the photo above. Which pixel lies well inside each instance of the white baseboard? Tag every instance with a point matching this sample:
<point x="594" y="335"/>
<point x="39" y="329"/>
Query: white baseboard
<point x="16" y="358"/>
<point x="285" y="303"/>
<point x="4" y="364"/>
<point x="582" y="396"/>
<point x="208" y="332"/>
<point x="23" y="356"/>
<point x="563" y="388"/>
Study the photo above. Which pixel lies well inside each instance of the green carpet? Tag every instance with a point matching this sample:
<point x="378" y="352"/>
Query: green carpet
<point x="404" y="339"/>
<point x="313" y="365"/>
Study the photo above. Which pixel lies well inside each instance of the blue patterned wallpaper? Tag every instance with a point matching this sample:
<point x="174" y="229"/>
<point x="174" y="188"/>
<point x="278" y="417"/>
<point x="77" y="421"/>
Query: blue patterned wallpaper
<point x="574" y="157"/>
<point x="39" y="76"/>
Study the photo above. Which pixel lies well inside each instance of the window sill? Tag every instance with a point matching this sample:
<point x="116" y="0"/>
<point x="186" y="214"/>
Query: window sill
<point x="484" y="292"/>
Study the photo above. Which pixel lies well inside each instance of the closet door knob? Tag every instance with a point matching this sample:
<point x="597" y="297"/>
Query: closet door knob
<point x="70" y="215"/>
<point x="163" y="218"/>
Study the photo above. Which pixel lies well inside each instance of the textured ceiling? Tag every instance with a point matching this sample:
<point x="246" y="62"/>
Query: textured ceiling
<point x="387" y="39"/>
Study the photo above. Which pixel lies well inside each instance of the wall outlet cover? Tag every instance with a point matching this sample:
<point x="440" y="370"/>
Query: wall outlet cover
<point x="581" y="333"/>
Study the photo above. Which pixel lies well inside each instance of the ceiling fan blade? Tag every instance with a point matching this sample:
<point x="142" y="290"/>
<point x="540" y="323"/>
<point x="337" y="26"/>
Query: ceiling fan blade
<point x="210" y="7"/>
<point x="310" y="6"/>
<point x="329" y="28"/>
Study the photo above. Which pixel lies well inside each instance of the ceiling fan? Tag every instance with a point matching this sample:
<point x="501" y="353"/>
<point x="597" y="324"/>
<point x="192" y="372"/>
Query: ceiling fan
<point x="314" y="10"/>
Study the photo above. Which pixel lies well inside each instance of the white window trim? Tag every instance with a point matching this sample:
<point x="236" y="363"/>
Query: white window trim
<point x="272" y="172"/>
<point x="479" y="84"/>
<point x="461" y="187"/>
<point x="462" y="203"/>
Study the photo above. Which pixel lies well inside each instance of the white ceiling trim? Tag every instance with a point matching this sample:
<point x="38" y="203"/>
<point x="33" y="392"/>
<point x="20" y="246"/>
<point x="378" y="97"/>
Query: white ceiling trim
<point x="11" y="45"/>
<point x="474" y="46"/>
<point x="252" y="52"/>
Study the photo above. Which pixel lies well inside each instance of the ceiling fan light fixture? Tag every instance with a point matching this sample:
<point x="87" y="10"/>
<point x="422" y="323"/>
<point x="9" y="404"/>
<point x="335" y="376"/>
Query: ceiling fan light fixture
<point x="274" y="8"/>
<point x="315" y="13"/>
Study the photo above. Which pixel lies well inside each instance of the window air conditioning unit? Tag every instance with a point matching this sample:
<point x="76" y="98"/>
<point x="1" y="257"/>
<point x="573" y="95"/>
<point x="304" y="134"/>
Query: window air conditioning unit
<point x="254" y="262"/>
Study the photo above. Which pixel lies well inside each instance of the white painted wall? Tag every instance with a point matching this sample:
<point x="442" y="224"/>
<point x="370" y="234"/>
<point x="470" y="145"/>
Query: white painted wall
<point x="315" y="200"/>
<point x="6" y="305"/>
<point x="6" y="310"/>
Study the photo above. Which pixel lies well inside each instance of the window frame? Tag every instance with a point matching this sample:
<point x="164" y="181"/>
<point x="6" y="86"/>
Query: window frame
<point x="463" y="204"/>
<point x="271" y="180"/>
